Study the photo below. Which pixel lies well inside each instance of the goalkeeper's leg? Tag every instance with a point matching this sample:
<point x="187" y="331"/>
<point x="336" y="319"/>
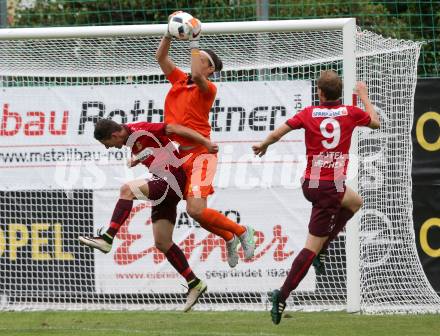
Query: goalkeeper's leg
<point x="200" y="170"/>
<point x="217" y="223"/>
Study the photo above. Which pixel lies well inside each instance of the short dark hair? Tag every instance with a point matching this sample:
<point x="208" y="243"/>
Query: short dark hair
<point x="104" y="129"/>
<point x="218" y="64"/>
<point x="330" y="84"/>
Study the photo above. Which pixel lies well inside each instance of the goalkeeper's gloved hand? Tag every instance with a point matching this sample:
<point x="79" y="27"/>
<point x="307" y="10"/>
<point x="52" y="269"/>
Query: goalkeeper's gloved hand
<point x="195" y="30"/>
<point x="167" y="33"/>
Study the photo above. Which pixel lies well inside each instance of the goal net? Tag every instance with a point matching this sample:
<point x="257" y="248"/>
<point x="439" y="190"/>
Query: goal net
<point x="59" y="183"/>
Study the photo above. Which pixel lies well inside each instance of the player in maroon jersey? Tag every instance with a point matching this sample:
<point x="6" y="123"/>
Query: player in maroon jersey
<point x="151" y="146"/>
<point x="328" y="130"/>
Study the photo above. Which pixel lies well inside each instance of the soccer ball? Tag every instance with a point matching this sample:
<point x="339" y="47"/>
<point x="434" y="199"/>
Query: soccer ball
<point x="178" y="27"/>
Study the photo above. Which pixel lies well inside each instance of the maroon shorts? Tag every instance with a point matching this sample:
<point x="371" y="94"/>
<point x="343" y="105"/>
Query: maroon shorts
<point x="326" y="201"/>
<point x="166" y="194"/>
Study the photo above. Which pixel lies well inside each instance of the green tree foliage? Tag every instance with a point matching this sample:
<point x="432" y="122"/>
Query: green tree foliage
<point x="43" y="13"/>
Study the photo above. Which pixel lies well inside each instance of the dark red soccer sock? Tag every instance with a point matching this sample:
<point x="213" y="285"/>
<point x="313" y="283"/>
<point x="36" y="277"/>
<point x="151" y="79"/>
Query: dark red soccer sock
<point x="344" y="216"/>
<point x="299" y="269"/>
<point x="178" y="260"/>
<point x="120" y="214"/>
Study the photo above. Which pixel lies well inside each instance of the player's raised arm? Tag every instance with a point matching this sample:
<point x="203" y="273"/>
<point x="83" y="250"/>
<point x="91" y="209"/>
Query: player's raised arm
<point x="191" y="135"/>
<point x="362" y="92"/>
<point x="198" y="67"/>
<point x="165" y="62"/>
<point x="273" y="137"/>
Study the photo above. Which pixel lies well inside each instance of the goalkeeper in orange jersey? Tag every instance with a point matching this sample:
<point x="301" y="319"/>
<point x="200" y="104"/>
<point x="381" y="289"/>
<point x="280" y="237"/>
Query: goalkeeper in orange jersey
<point x="188" y="103"/>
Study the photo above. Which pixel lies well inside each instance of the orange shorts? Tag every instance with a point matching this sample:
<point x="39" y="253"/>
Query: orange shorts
<point x="200" y="170"/>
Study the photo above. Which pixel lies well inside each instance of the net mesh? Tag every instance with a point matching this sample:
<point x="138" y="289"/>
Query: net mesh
<point x="390" y="268"/>
<point x="134" y="56"/>
<point x="42" y="264"/>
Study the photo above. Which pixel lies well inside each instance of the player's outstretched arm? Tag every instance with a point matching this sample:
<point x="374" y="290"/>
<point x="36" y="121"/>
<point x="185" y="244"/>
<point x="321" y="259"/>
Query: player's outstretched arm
<point x="165" y="62"/>
<point x="196" y="62"/>
<point x="273" y="137"/>
<point x="191" y="135"/>
<point x="362" y="92"/>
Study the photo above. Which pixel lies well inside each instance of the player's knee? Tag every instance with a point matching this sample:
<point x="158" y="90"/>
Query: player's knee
<point x="125" y="192"/>
<point x="356" y="204"/>
<point x="194" y="211"/>
<point x="162" y="245"/>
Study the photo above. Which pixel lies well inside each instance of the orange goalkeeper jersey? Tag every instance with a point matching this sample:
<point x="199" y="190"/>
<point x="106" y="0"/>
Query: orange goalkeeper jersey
<point x="187" y="105"/>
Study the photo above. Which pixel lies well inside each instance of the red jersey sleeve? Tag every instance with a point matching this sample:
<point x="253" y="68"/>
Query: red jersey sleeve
<point x="157" y="129"/>
<point x="176" y="75"/>
<point x="360" y="117"/>
<point x="297" y="121"/>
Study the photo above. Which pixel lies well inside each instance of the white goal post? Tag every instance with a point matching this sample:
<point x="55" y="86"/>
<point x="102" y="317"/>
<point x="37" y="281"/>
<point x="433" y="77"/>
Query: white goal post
<point x="58" y="183"/>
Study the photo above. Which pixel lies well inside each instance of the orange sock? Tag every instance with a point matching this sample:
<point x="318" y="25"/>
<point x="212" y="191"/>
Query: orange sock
<point x="215" y="219"/>
<point x="226" y="235"/>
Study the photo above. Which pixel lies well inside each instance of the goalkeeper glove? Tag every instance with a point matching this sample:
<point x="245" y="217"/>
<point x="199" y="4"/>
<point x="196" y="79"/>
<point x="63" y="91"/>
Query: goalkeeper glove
<point x="195" y="30"/>
<point x="167" y="32"/>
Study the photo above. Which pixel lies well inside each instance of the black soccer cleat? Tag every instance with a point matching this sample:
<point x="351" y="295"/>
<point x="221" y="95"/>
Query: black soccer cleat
<point x="319" y="262"/>
<point x="278" y="307"/>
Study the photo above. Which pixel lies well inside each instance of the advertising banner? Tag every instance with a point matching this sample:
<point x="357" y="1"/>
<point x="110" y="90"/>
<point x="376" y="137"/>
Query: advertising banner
<point x="135" y="266"/>
<point x="426" y="176"/>
<point x="49" y="131"/>
<point x="47" y="143"/>
<point x="39" y="248"/>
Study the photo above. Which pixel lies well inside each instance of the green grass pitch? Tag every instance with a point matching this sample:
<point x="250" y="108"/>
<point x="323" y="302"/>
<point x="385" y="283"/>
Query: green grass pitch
<point x="213" y="324"/>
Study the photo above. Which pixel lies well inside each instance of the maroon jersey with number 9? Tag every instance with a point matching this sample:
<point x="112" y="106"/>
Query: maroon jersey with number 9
<point x="328" y="130"/>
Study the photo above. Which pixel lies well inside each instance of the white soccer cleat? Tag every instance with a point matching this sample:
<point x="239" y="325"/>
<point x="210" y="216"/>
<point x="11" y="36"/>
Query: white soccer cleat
<point x="231" y="247"/>
<point x="194" y="294"/>
<point x="248" y="243"/>
<point x="97" y="243"/>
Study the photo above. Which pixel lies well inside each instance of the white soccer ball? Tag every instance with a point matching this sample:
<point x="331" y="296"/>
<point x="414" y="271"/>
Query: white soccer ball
<point x="178" y="27"/>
